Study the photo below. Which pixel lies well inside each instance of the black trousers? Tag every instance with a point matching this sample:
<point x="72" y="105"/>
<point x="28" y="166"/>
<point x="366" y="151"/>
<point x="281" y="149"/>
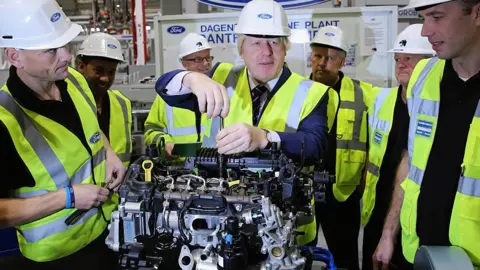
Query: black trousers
<point x="340" y="225"/>
<point x="372" y="234"/>
<point x="94" y="256"/>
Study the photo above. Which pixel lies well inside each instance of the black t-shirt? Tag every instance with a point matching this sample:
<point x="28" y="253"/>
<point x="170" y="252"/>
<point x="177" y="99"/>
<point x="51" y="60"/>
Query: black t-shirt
<point x="458" y="102"/>
<point x="397" y="140"/>
<point x="104" y="118"/>
<point x="62" y="112"/>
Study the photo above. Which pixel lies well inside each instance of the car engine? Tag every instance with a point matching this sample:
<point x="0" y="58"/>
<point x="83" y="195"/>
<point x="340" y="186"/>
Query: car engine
<point x="211" y="211"/>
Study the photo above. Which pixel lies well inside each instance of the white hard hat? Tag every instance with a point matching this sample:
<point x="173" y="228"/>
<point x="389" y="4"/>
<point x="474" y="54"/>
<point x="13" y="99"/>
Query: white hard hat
<point x="423" y="3"/>
<point x="35" y="25"/>
<point x="331" y="36"/>
<point x="411" y="41"/>
<point x="263" y="17"/>
<point x="192" y="43"/>
<point x="102" y="45"/>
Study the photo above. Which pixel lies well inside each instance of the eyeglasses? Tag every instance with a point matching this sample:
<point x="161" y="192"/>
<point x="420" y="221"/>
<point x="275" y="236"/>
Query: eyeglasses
<point x="199" y="60"/>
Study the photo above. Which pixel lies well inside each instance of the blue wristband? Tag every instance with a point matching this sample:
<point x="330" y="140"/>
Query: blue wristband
<point x="69" y="198"/>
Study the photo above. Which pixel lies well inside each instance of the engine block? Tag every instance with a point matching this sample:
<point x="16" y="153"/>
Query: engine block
<point x="195" y="216"/>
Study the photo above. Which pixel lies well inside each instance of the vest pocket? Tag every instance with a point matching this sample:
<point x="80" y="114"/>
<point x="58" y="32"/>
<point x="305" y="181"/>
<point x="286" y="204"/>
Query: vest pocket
<point x="465" y="225"/>
<point x="345" y="121"/>
<point x="408" y="219"/>
<point x="408" y="216"/>
<point x="350" y="164"/>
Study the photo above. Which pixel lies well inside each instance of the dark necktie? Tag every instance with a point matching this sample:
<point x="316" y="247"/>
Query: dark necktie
<point x="257" y="92"/>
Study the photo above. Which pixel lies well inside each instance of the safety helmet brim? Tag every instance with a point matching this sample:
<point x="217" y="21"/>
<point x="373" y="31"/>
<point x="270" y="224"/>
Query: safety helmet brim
<point x="421" y="4"/>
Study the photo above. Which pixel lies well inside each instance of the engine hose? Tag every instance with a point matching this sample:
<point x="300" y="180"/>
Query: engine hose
<point x="321" y="254"/>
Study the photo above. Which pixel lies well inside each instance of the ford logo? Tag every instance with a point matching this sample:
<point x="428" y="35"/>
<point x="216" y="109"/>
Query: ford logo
<point x="111" y="46"/>
<point x="328" y="34"/>
<point x="264" y="16"/>
<point x="95" y="138"/>
<point x="176" y="29"/>
<point x="55" y="17"/>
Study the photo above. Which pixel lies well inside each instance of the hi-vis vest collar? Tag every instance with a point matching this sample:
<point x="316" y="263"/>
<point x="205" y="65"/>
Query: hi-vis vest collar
<point x="293" y="118"/>
<point x="379" y="124"/>
<point x="115" y="97"/>
<point x="467" y="185"/>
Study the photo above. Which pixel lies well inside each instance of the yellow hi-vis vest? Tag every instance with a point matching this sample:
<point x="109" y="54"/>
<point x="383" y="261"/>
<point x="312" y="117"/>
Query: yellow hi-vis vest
<point x="295" y="100"/>
<point x="423" y="106"/>
<point x="380" y="121"/>
<point x="55" y="157"/>
<point x="177" y="125"/>
<point x="120" y="128"/>
<point x="351" y="137"/>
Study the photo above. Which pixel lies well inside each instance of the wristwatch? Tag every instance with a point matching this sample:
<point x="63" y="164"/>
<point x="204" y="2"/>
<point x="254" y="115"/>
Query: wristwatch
<point x="269" y="139"/>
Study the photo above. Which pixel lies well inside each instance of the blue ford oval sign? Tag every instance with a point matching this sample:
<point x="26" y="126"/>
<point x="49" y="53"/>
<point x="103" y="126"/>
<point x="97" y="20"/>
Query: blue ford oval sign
<point x="111" y="46"/>
<point x="328" y="34"/>
<point x="95" y="137"/>
<point x="264" y="16"/>
<point x="176" y="29"/>
<point x="55" y="17"/>
<point x="239" y="4"/>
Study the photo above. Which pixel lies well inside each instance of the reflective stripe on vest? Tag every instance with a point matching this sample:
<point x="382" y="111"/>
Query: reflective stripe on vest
<point x="180" y="131"/>
<point x="44" y="152"/>
<point x="125" y="157"/>
<point x="358" y="105"/>
<point x="54" y="227"/>
<point x="293" y="118"/>
<point x="426" y="107"/>
<point x="373" y="169"/>
<point x="79" y="88"/>
<point x="375" y="121"/>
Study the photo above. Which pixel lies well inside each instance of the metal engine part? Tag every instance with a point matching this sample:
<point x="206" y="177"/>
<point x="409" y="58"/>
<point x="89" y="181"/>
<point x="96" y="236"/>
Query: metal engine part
<point x="181" y="220"/>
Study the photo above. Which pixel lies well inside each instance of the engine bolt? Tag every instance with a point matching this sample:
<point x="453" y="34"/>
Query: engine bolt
<point x="277" y="252"/>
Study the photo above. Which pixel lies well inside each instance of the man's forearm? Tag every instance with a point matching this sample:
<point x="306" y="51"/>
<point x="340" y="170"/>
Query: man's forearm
<point x="106" y="143"/>
<point x="392" y="221"/>
<point x="15" y="212"/>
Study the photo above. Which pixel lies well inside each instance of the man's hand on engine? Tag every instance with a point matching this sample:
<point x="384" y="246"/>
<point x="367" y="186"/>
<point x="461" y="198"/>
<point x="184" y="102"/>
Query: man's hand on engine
<point x="115" y="170"/>
<point x="88" y="196"/>
<point x="168" y="150"/>
<point x="241" y="137"/>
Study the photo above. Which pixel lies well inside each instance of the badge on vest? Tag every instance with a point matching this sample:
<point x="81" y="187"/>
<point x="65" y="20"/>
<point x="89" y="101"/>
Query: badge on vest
<point x="95" y="137"/>
<point x="424" y="128"/>
<point x="378" y="137"/>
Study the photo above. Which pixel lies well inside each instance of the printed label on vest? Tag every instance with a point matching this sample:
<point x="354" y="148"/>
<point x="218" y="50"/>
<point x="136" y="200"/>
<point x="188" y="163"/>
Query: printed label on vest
<point x="378" y="137"/>
<point x="424" y="128"/>
<point x="95" y="137"/>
